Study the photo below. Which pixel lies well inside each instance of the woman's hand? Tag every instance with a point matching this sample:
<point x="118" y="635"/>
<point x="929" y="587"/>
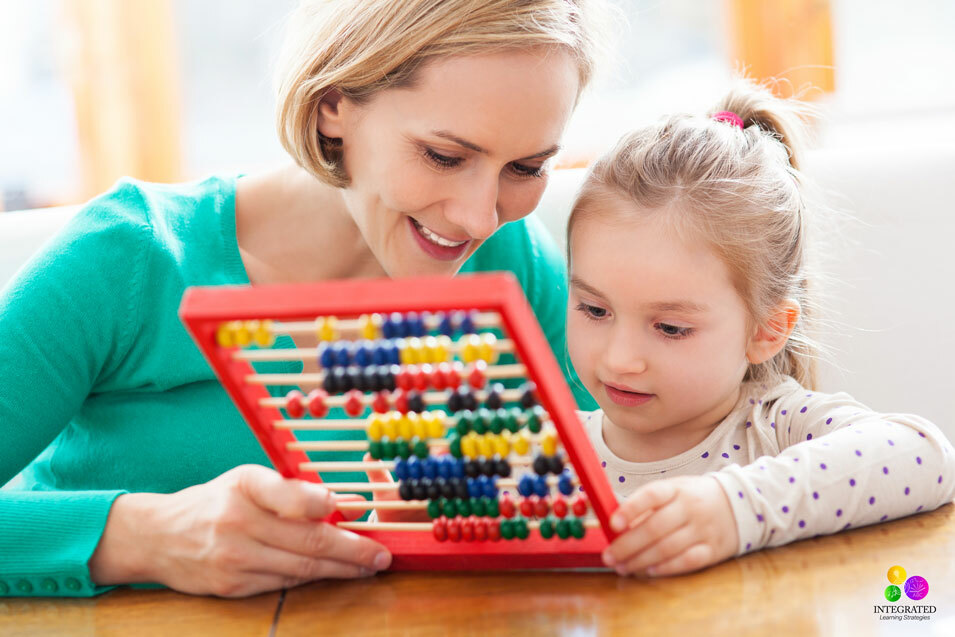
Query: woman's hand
<point x="671" y="526"/>
<point x="391" y="515"/>
<point x="247" y="531"/>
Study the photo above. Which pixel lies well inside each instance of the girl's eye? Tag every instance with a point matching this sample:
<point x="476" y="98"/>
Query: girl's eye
<point x="522" y="170"/>
<point x="442" y="161"/>
<point x="592" y="312"/>
<point x="674" y="331"/>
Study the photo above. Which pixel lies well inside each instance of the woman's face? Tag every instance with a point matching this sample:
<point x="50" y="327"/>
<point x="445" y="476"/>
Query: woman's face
<point x="438" y="167"/>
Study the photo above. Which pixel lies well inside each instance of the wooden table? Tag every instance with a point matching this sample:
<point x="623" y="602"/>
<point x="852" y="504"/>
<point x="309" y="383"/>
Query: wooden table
<point x="824" y="586"/>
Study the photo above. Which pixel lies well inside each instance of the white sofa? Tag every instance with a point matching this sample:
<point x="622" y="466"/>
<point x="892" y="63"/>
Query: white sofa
<point x="892" y="300"/>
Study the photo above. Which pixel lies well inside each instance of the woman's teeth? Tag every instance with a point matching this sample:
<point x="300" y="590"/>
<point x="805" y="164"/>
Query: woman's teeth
<point x="436" y="238"/>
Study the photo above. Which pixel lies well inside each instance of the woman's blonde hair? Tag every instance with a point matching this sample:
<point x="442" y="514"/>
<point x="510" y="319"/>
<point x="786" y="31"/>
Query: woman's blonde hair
<point x="740" y="190"/>
<point x="362" y="47"/>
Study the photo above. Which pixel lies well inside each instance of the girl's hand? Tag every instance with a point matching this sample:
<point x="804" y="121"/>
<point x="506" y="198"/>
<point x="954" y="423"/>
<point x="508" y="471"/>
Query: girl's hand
<point x="671" y="526"/>
<point x="248" y="531"/>
<point x="386" y="515"/>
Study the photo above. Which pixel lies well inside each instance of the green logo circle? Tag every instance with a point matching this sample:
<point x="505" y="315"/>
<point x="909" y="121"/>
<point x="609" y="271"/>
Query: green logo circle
<point x="893" y="593"/>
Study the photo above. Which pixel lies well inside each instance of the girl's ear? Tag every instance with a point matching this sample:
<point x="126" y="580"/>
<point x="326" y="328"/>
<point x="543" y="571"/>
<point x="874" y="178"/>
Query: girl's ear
<point x="770" y="338"/>
<point x="330" y="114"/>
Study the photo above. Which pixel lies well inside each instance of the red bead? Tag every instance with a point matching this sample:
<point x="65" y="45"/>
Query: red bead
<point x="560" y="507"/>
<point x="494" y="530"/>
<point x="541" y="507"/>
<point x="480" y="529"/>
<point x="381" y="403"/>
<point x="422" y="379"/>
<point x="527" y="506"/>
<point x="506" y="506"/>
<point x="454" y="374"/>
<point x="317" y="405"/>
<point x="477" y="378"/>
<point x="439" y="376"/>
<point x="405" y="378"/>
<point x="401" y="401"/>
<point x="354" y="404"/>
<point x="440" y="529"/>
<point x="454" y="530"/>
<point x="580" y="505"/>
<point x="467" y="529"/>
<point x="294" y="404"/>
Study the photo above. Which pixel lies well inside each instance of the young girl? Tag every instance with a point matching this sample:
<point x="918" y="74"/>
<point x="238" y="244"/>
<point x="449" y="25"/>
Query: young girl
<point x="688" y="322"/>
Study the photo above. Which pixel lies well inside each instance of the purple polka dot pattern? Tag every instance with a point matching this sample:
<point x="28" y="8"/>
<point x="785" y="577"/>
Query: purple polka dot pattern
<point x="759" y="517"/>
<point x="838" y="513"/>
<point x="803" y="410"/>
<point x="706" y="454"/>
<point x="773" y="425"/>
<point x="783" y="412"/>
<point x="749" y="545"/>
<point x="872" y="500"/>
<point x="725" y="455"/>
<point x="740" y="495"/>
<point x="858" y="453"/>
<point x="736" y="447"/>
<point x="603" y="464"/>
<point x="815" y="495"/>
<point x="885" y="470"/>
<point x="808" y="436"/>
<point x="918" y="459"/>
<point x="940" y="479"/>
<point x="785" y="509"/>
<point x="802" y="524"/>
<point x="622" y="479"/>
<point x="918" y="509"/>
<point x="906" y="490"/>
<point x="883" y="518"/>
<point x="748" y="424"/>
<point x="791" y="479"/>
<point x="828" y="421"/>
<point x="852" y="482"/>
<point x="891" y="444"/>
<point x="822" y="466"/>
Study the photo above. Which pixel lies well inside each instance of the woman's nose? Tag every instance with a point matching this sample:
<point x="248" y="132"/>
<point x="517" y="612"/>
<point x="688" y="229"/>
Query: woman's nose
<point x="475" y="208"/>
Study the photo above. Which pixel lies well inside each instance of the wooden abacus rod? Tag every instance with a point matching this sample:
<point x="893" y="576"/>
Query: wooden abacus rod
<point x="389" y="505"/>
<point x="491" y="372"/>
<point x="367" y="487"/>
<point x="481" y="319"/>
<point x="353" y="424"/>
<point x="362" y="445"/>
<point x="503" y="346"/>
<point x="590" y="523"/>
<point x="430" y="398"/>
<point x="344" y="466"/>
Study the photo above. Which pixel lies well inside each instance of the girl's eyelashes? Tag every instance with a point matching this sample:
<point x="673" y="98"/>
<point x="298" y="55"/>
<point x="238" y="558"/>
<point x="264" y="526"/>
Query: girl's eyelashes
<point x="674" y="332"/>
<point x="447" y="162"/>
<point x="592" y="312"/>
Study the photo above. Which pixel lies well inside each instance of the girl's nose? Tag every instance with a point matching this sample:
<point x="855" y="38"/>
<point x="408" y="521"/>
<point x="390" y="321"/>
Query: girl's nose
<point x="624" y="355"/>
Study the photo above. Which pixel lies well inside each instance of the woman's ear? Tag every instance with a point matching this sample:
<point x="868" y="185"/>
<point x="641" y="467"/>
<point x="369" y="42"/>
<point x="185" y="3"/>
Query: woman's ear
<point x="330" y="114"/>
<point x="770" y="338"/>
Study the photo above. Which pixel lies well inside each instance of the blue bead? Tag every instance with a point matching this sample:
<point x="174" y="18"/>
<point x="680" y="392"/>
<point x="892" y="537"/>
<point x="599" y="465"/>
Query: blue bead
<point x="342" y="354"/>
<point x="415" y="470"/>
<point x="363" y="354"/>
<point x="446" y="467"/>
<point x="411" y="324"/>
<point x="490" y="487"/>
<point x="525" y="486"/>
<point x="326" y="356"/>
<point x="457" y="471"/>
<point x="379" y="352"/>
<point x="394" y="355"/>
<point x="540" y="486"/>
<point x="467" y="323"/>
<point x="564" y="484"/>
<point x="445" y="324"/>
<point x="430" y="467"/>
<point x="398" y="326"/>
<point x="474" y="488"/>
<point x="401" y="469"/>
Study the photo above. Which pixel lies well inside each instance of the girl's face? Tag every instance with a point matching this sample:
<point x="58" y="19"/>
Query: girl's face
<point x="438" y="167"/>
<point x="655" y="328"/>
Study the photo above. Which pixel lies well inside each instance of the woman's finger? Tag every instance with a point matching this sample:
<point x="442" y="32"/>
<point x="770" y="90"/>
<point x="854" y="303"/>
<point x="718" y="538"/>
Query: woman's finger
<point x="293" y="567"/>
<point x="286" y="497"/>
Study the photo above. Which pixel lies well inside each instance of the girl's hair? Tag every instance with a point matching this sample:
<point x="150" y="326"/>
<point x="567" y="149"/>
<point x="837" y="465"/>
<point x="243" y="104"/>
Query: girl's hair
<point x="738" y="189"/>
<point x="362" y="47"/>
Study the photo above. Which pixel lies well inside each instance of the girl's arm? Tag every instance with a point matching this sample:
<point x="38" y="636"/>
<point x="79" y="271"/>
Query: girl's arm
<point x="840" y="465"/>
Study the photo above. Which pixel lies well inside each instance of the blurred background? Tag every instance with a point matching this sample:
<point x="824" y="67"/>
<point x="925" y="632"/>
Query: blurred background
<point x="172" y="90"/>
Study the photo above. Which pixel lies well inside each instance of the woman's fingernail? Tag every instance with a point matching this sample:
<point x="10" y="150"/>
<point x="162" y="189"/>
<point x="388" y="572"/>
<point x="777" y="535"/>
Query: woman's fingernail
<point x="382" y="561"/>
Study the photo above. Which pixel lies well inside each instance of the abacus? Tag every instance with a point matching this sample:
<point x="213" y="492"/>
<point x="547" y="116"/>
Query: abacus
<point x="448" y="383"/>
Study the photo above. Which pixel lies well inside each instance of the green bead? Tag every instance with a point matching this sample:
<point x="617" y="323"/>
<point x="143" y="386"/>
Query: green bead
<point x="454" y="443"/>
<point x="534" y="417"/>
<point x="577" y="528"/>
<point x="443" y="506"/>
<point x="420" y="447"/>
<point x="434" y="509"/>
<point x="547" y="527"/>
<point x="507" y="529"/>
<point x="482" y="420"/>
<point x="467" y="417"/>
<point x="388" y="448"/>
<point x="49" y="586"/>
<point x="374" y="448"/>
<point x="563" y="529"/>
<point x="401" y="448"/>
<point x="514" y="419"/>
<point x="461" y="426"/>
<point x="492" y="510"/>
<point x="498" y="420"/>
<point x="449" y="507"/>
<point x="478" y="507"/>
<point x="520" y="528"/>
<point x="464" y="508"/>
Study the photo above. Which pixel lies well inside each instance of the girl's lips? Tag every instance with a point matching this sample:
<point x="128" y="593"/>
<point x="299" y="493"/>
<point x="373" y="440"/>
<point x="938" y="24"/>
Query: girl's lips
<point x="442" y="253"/>
<point x="626" y="398"/>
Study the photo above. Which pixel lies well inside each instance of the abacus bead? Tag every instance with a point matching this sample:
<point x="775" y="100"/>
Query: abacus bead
<point x="502" y="445"/>
<point x="521" y="443"/>
<point x="369" y="326"/>
<point x="434" y="509"/>
<point x="405" y="378"/>
<point x="405" y="490"/>
<point x="442" y="348"/>
<point x="579" y="505"/>
<point x="541" y="507"/>
<point x="480" y="530"/>
<point x="458" y="468"/>
<point x="389" y="448"/>
<point x="563" y="528"/>
<point x="381" y="404"/>
<point x="374" y="449"/>
<point x="482" y="420"/>
<point x="363" y="357"/>
<point x="454" y="377"/>
<point x="295" y="404"/>
<point x="525" y="486"/>
<point x="514" y="419"/>
<point x="577" y="528"/>
<point x="506" y="506"/>
<point x="470" y="400"/>
<point x="540" y="465"/>
<point x="469" y="445"/>
<point x="369" y="379"/>
<point x="455" y="402"/>
<point x="464" y="507"/>
<point x="534" y="417"/>
<point x="401" y="401"/>
<point x="379" y="352"/>
<point x="354" y="376"/>
<point x="429" y="346"/>
<point x="556" y="464"/>
<point x="549" y="443"/>
<point x="389" y="424"/>
<point x="521" y="530"/>
<point x="472" y="469"/>
<point x="564" y="484"/>
<point x="326" y="329"/>
<point x="546" y="528"/>
<point x="402" y="450"/>
<point x="477" y="378"/>
<point x="460" y="488"/>
<point x="386" y="376"/>
<point x="488" y="467"/>
<point x="486" y="445"/>
<point x="464" y="422"/>
<point x="416" y="402"/>
<point x="394" y="351"/>
<point x="436" y="426"/>
<point x="398" y="327"/>
<point x="225" y="335"/>
<point x="354" y="405"/>
<point x="419" y="447"/>
<point x="540" y="486"/>
<point x="445" y="466"/>
<point x="420" y="489"/>
<point x="490" y="488"/>
<point x="447" y="488"/>
<point x="487" y="351"/>
<point x="493" y="399"/>
<point x="342" y="352"/>
<point x="445" y="324"/>
<point x="405" y="428"/>
<point x="422" y="378"/>
<point x="401" y="469"/>
<point x="454" y="445"/>
<point x="317" y="405"/>
<point x="478" y="506"/>
<point x="528" y="399"/>
<point x="454" y="530"/>
<point x="439" y="378"/>
<point x="440" y="530"/>
<point x="326" y="355"/>
<point x="474" y="489"/>
<point x="494" y="530"/>
<point x="527" y="506"/>
<point x="409" y="353"/>
<point x="415" y="470"/>
<point x="560" y="507"/>
<point x="466" y="324"/>
<point x="433" y="490"/>
<point x="443" y="504"/>
<point x="507" y="529"/>
<point x="470" y="346"/>
<point x="415" y="326"/>
<point x="502" y="468"/>
<point x="419" y="424"/>
<point x="491" y="508"/>
<point x="467" y="529"/>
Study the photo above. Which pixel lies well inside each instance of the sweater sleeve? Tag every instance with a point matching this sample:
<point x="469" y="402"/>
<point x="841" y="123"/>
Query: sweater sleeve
<point x="840" y="465"/>
<point x="65" y="323"/>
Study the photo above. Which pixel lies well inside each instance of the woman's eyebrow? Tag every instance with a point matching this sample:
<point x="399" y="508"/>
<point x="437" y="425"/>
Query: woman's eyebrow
<point x="472" y="146"/>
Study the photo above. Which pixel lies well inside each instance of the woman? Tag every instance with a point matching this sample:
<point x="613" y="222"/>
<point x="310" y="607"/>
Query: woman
<point x="419" y="129"/>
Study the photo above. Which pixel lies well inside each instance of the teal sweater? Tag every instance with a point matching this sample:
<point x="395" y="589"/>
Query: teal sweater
<point x="104" y="393"/>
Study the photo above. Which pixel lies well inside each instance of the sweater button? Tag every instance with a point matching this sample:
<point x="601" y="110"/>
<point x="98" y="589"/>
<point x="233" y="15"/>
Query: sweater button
<point x="72" y="583"/>
<point x="49" y="586"/>
<point x="4" y="588"/>
<point x="24" y="586"/>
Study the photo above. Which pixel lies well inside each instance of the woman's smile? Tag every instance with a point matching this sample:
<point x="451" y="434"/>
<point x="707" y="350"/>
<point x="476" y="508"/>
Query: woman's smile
<point x="435" y="245"/>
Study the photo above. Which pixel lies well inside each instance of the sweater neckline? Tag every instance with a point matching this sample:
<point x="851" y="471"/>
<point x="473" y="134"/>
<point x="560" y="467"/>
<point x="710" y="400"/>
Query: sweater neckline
<point x="231" y="257"/>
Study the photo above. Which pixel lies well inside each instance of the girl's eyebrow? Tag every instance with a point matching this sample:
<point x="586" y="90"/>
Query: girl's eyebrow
<point x="443" y="134"/>
<point x="659" y="306"/>
<point x="577" y="282"/>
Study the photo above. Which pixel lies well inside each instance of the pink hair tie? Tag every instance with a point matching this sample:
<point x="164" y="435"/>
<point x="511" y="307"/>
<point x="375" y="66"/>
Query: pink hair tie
<point x="729" y="117"/>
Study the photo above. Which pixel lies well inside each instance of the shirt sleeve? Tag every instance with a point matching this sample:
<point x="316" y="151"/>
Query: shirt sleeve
<point x="840" y="465"/>
<point x="65" y="324"/>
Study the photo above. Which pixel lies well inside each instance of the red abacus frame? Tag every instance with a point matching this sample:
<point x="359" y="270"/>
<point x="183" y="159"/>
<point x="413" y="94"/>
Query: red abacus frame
<point x="204" y="309"/>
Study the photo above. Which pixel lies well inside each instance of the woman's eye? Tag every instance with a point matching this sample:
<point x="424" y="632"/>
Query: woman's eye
<point x="442" y="161"/>
<point x="592" y="311"/>
<point x="674" y="331"/>
<point x="527" y="171"/>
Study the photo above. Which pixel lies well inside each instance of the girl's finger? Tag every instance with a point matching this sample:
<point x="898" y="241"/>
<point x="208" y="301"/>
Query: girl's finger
<point x="646" y="498"/>
<point x="692" y="559"/>
<point x="377" y="475"/>
<point x="654" y="528"/>
<point x="666" y="549"/>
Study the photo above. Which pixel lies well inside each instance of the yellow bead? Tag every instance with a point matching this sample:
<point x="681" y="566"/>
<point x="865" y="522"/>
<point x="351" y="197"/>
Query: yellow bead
<point x="225" y="335"/>
<point x="416" y="347"/>
<point x="375" y="429"/>
<point x="521" y="443"/>
<point x="262" y="333"/>
<point x="470" y="347"/>
<point x="420" y="423"/>
<point x="488" y="349"/>
<point x="405" y="354"/>
<point x="442" y="351"/>
<point x="549" y="443"/>
<point x="502" y="445"/>
<point x="486" y="445"/>
<point x="370" y="326"/>
<point x="325" y="328"/>
<point x="243" y="336"/>
<point x="436" y="424"/>
<point x="469" y="445"/>
<point x="429" y="346"/>
<point x="406" y="427"/>
<point x="390" y="426"/>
